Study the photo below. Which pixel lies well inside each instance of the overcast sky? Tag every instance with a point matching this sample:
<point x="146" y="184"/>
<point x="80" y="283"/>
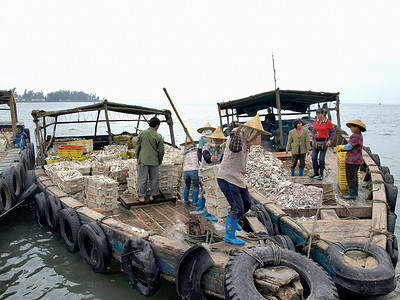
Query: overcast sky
<point x="201" y="50"/>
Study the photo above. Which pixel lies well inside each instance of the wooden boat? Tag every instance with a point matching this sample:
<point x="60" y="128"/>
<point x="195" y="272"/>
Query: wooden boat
<point x="164" y="238"/>
<point x="17" y="158"/>
<point x="353" y="240"/>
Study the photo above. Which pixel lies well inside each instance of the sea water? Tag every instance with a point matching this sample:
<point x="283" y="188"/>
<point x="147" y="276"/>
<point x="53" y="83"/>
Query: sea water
<point x="33" y="261"/>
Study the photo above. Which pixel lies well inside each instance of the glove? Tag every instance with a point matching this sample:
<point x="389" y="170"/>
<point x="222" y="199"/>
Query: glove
<point x="338" y="148"/>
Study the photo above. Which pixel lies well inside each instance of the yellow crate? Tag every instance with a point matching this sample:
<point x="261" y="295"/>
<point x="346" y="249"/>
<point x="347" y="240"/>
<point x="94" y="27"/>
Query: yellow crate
<point x="122" y="138"/>
<point x="341" y="156"/>
<point x="87" y="145"/>
<point x="70" y="151"/>
<point x="343" y="186"/>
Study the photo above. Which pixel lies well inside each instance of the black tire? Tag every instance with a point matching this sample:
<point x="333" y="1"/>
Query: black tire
<point x="368" y="282"/>
<point x="22" y="175"/>
<point x="392" y="249"/>
<point x="264" y="218"/>
<point x="13" y="178"/>
<point x="376" y="159"/>
<point x="30" y="148"/>
<point x="391" y="195"/>
<point x="241" y="266"/>
<point x="391" y="221"/>
<point x="388" y="178"/>
<point x="53" y="213"/>
<point x="384" y="170"/>
<point x="5" y="196"/>
<point x="276" y="229"/>
<point x="368" y="150"/>
<point x="41" y="202"/>
<point x="140" y="250"/>
<point x="30" y="178"/>
<point x="69" y="228"/>
<point x="23" y="160"/>
<point x="94" y="248"/>
<point x="281" y="240"/>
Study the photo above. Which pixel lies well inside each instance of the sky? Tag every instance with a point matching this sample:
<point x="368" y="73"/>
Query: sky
<point x="201" y="51"/>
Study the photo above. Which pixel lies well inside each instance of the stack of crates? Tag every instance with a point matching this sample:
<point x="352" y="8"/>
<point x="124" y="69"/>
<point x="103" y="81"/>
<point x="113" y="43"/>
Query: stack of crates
<point x="216" y="202"/>
<point x="86" y="144"/>
<point x="101" y="192"/>
<point x="341" y="171"/>
<point x="70" y="151"/>
<point x="70" y="182"/>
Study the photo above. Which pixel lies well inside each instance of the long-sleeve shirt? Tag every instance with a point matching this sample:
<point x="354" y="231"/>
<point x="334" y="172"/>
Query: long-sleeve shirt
<point x="323" y="130"/>
<point x="149" y="148"/>
<point x="354" y="155"/>
<point x="191" y="159"/>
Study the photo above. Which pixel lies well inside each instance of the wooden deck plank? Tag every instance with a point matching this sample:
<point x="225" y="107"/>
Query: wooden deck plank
<point x="174" y="217"/>
<point x="150" y="223"/>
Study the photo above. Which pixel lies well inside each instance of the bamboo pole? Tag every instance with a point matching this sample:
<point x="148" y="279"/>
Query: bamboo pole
<point x="177" y="114"/>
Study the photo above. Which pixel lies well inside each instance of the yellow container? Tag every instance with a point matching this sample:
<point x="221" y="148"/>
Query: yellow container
<point x="70" y="151"/>
<point x="123" y="154"/>
<point x="122" y="138"/>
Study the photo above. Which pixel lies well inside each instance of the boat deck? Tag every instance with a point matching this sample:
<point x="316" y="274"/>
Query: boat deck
<point x="8" y="157"/>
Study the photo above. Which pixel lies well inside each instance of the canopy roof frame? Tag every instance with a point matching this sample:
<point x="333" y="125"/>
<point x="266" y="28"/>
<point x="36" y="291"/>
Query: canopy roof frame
<point x="7" y="97"/>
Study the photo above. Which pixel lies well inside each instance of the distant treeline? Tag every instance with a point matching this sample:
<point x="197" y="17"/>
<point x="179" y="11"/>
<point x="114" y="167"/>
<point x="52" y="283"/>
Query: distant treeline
<point x="58" y="96"/>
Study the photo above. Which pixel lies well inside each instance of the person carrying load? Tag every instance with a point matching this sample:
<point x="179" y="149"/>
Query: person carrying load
<point x="212" y="154"/>
<point x="354" y="157"/>
<point x="190" y="171"/>
<point x="231" y="174"/>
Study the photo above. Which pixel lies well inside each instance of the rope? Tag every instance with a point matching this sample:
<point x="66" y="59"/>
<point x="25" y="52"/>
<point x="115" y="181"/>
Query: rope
<point x="254" y="255"/>
<point x="16" y="205"/>
<point x="207" y="238"/>
<point x="277" y="251"/>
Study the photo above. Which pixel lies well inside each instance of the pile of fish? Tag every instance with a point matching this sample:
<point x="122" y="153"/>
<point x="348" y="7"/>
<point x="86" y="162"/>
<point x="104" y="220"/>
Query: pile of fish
<point x="264" y="171"/>
<point x="296" y="196"/>
<point x="5" y="140"/>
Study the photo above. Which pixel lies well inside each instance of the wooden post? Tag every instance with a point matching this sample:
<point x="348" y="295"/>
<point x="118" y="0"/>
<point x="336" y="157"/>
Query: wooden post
<point x="197" y="224"/>
<point x="338" y="111"/>
<point x="95" y="126"/>
<point x="220" y="117"/>
<point x="13" y="115"/>
<point x="179" y="117"/>
<point x="278" y="106"/>
<point x="170" y="123"/>
<point x="108" y="123"/>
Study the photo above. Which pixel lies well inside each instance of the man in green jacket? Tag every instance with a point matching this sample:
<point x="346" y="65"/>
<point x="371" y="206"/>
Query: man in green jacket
<point x="299" y="141"/>
<point x="149" y="152"/>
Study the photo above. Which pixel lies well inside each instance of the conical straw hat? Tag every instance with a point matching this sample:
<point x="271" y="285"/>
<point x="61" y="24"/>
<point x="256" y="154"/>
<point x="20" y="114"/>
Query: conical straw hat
<point x="357" y="122"/>
<point x="254" y="123"/>
<point x="189" y="142"/>
<point x="217" y="134"/>
<point x="208" y="126"/>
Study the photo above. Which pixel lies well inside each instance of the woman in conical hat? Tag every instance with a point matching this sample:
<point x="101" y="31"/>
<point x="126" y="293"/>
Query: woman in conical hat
<point x="208" y="126"/>
<point x="354" y="157"/>
<point x="231" y="174"/>
<point x="206" y="130"/>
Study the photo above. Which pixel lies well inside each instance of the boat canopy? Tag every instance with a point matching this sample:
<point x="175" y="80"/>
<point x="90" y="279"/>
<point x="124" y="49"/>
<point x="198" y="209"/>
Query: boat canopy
<point x="296" y="102"/>
<point x="47" y="121"/>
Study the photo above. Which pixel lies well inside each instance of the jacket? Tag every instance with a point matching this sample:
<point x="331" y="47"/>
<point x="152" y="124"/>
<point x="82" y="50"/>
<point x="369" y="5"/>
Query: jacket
<point x="149" y="148"/>
<point x="295" y="141"/>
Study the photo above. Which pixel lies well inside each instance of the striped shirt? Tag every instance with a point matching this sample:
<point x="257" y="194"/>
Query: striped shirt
<point x="191" y="159"/>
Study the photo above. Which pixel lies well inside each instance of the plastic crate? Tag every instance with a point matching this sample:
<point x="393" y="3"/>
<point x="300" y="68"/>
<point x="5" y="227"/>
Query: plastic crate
<point x="87" y="145"/>
<point x="70" y="151"/>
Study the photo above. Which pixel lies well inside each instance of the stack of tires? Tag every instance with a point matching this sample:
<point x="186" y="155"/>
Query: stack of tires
<point x="17" y="182"/>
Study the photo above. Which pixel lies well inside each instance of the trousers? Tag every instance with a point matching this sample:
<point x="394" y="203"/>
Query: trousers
<point x="148" y="172"/>
<point x="239" y="198"/>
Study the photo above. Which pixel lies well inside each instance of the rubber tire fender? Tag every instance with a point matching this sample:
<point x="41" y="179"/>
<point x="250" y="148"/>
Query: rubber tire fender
<point x="391" y="195"/>
<point x="191" y="268"/>
<point x="13" y="178"/>
<point x="5" y="196"/>
<point x="23" y="160"/>
<point x="392" y="249"/>
<point x="40" y="202"/>
<point x="372" y="282"/>
<point x="368" y="150"/>
<point x="285" y="242"/>
<point x="264" y="218"/>
<point x="388" y="178"/>
<point x="69" y="228"/>
<point x="30" y="155"/>
<point x="384" y="170"/>
<point x="391" y="221"/>
<point x="140" y="250"/>
<point x="53" y="213"/>
<point x="240" y="269"/>
<point x="30" y="178"/>
<point x="94" y="248"/>
<point x="22" y="173"/>
<point x="376" y="159"/>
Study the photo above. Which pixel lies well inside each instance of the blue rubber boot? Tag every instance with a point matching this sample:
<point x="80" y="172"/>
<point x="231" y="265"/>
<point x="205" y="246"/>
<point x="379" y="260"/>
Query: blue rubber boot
<point x="230" y="237"/>
<point x="201" y="204"/>
<point x="301" y="171"/>
<point x="239" y="228"/>
<point x="186" y="196"/>
<point x="195" y="198"/>
<point x="209" y="216"/>
<point x="351" y="194"/>
<point x="292" y="172"/>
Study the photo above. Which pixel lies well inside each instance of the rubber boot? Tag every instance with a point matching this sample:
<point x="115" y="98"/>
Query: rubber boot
<point x="209" y="216"/>
<point x="195" y="198"/>
<point x="321" y="173"/>
<point x="351" y="194"/>
<point x="201" y="204"/>
<point x="186" y="197"/>
<point x="239" y="228"/>
<point x="230" y="237"/>
<point x="301" y="171"/>
<point x="315" y="173"/>
<point x="292" y="172"/>
<point x="356" y="189"/>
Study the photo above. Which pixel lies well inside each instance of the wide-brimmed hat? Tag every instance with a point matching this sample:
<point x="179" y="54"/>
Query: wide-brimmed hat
<point x="208" y="126"/>
<point x="217" y="134"/>
<point x="358" y="123"/>
<point x="188" y="141"/>
<point x="254" y="123"/>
